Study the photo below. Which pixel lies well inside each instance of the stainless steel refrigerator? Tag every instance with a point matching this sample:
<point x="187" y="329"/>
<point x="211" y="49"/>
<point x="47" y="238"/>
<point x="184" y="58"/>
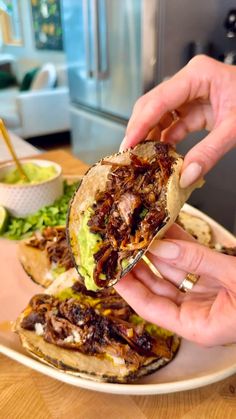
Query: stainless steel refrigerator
<point x="108" y="68"/>
<point x="119" y="49"/>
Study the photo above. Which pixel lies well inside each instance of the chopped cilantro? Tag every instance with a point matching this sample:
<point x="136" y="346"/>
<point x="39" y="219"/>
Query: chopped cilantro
<point x="143" y="213"/>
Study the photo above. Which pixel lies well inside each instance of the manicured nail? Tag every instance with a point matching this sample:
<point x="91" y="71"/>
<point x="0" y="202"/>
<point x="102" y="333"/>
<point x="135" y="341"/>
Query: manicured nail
<point x="122" y="145"/>
<point x="190" y="174"/>
<point x="165" y="249"/>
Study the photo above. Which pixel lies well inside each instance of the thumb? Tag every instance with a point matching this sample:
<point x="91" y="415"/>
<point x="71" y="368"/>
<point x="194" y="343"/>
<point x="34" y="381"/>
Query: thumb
<point x="204" y="155"/>
<point x="198" y="259"/>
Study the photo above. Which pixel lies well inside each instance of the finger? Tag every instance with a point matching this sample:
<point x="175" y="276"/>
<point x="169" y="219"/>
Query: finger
<point x="200" y="110"/>
<point x="148" y="111"/>
<point x="188" y="84"/>
<point x="154" y="308"/>
<point x="176" y="277"/>
<point x="165" y="122"/>
<point x="171" y="273"/>
<point x="194" y="117"/>
<point x="155" y="133"/>
<point x="156" y="284"/>
<point x="203" y="156"/>
<point x="177" y="232"/>
<point x="198" y="259"/>
<point x="196" y="319"/>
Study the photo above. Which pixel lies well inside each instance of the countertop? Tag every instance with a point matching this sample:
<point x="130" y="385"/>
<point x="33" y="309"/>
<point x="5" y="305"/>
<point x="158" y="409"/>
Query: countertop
<point x="25" y="393"/>
<point x="22" y="147"/>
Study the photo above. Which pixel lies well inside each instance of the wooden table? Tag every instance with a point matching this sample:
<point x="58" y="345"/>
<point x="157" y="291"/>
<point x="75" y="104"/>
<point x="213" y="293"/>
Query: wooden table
<point x="27" y="394"/>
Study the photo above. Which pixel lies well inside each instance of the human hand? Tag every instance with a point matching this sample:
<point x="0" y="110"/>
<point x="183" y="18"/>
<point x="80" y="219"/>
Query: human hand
<point x="206" y="314"/>
<point x="203" y="96"/>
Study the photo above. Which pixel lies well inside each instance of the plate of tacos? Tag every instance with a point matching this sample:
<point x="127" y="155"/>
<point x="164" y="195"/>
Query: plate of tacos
<point x="59" y="313"/>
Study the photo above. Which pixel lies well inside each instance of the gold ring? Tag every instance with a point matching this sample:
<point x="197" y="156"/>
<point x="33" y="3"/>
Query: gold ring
<point x="189" y="281"/>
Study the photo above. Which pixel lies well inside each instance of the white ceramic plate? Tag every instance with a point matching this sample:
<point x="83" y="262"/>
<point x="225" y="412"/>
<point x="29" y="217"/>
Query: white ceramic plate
<point x="193" y="366"/>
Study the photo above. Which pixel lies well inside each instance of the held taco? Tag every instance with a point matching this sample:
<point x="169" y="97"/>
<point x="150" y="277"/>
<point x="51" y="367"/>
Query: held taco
<point x="123" y="203"/>
<point x="94" y="335"/>
<point x="45" y="255"/>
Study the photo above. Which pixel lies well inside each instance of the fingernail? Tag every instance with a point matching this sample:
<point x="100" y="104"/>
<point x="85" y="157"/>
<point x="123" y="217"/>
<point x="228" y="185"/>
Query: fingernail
<point x="190" y="174"/>
<point x="166" y="249"/>
<point x="122" y="145"/>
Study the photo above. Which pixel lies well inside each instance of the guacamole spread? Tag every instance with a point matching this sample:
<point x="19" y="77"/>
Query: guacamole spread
<point x="89" y="244"/>
<point x="68" y="293"/>
<point x="33" y="171"/>
<point x="151" y="328"/>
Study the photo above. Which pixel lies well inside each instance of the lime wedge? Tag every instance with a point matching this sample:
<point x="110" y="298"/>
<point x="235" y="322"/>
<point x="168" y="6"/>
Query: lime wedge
<point x="3" y="219"/>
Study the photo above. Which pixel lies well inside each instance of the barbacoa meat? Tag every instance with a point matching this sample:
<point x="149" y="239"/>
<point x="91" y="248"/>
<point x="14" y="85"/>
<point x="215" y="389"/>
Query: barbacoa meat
<point x="130" y="211"/>
<point x="53" y="241"/>
<point x="94" y="326"/>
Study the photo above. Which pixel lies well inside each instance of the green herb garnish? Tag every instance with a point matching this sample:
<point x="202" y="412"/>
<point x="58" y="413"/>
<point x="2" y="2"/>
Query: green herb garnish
<point x="143" y="213"/>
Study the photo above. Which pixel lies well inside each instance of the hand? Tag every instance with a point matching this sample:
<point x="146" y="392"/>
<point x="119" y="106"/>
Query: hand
<point x="207" y="313"/>
<point x="203" y="95"/>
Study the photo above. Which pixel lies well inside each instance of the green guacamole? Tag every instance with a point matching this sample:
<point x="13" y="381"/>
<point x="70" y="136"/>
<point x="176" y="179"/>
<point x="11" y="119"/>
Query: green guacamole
<point x="67" y="293"/>
<point x="89" y="244"/>
<point x="34" y="172"/>
<point x="151" y="328"/>
<point x="58" y="270"/>
<point x="124" y="263"/>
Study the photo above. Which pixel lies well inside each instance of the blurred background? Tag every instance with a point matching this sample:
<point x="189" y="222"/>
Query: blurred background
<point x="71" y="71"/>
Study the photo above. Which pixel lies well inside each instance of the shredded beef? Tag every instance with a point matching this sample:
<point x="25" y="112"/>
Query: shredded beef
<point x="96" y="329"/>
<point x="127" y="205"/>
<point x="33" y="318"/>
<point x="53" y="241"/>
<point x="108" y="301"/>
<point x="130" y="211"/>
<point x="77" y="312"/>
<point x="40" y="305"/>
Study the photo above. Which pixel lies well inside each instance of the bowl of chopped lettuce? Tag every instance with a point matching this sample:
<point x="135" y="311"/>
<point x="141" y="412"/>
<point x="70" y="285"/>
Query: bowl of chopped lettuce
<point x="42" y="186"/>
<point x="53" y="215"/>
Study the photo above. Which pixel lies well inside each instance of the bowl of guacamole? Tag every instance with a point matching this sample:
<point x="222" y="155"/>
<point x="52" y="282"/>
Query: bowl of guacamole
<point x="22" y="197"/>
<point x="35" y="174"/>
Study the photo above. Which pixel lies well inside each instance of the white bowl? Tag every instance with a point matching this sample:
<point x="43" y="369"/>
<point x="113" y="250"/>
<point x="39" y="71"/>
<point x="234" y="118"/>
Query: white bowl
<point x="25" y="199"/>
